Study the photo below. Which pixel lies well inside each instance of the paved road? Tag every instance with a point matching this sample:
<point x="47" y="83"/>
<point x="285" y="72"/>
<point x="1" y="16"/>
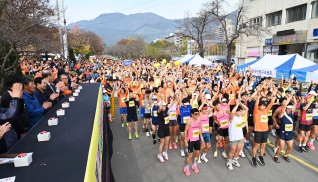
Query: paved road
<point x="136" y="161"/>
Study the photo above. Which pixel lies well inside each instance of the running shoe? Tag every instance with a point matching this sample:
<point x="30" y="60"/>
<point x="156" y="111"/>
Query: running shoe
<point x="143" y="128"/>
<point x="286" y="158"/>
<point x="199" y="160"/>
<point x="195" y="168"/>
<point x="165" y="156"/>
<point x="129" y="136"/>
<point x="154" y="141"/>
<point x="310" y="146"/>
<point x="147" y="134"/>
<point x="224" y="155"/>
<point x="182" y="153"/>
<point x="229" y="165"/>
<point x="300" y="149"/>
<point x="123" y="125"/>
<point x="170" y="146"/>
<point x="242" y="154"/>
<point x="273" y="133"/>
<point x="261" y="160"/>
<point x="306" y="149"/>
<point x="126" y="124"/>
<point x="268" y="141"/>
<point x="160" y="158"/>
<point x="247" y="145"/>
<point x="186" y="171"/>
<point x="254" y="164"/>
<point x="175" y="145"/>
<point x="276" y="159"/>
<point x="215" y="155"/>
<point x="204" y="159"/>
<point x="136" y="135"/>
<point x="236" y="163"/>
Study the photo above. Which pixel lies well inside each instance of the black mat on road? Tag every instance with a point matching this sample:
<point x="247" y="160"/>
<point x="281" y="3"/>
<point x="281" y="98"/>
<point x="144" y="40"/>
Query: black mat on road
<point x="64" y="157"/>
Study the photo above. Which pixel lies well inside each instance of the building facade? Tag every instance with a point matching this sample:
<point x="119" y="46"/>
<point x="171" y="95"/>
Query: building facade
<point x="175" y="38"/>
<point x="293" y="26"/>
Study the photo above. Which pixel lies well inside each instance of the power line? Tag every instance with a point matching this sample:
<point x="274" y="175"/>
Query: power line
<point x="140" y="10"/>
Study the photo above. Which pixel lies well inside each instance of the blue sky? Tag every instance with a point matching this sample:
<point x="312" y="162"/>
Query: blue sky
<point x="90" y="9"/>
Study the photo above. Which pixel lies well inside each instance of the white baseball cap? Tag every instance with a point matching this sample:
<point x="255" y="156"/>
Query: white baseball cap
<point x="208" y="96"/>
<point x="312" y="93"/>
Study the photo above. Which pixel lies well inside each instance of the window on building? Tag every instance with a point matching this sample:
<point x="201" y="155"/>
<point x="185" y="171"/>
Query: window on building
<point x="256" y="21"/>
<point x="296" y="13"/>
<point x="314" y="10"/>
<point x="274" y="19"/>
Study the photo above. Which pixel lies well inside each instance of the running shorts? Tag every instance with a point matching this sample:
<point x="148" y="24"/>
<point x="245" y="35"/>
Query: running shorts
<point x="193" y="145"/>
<point x="142" y="112"/>
<point x="123" y="110"/>
<point x="182" y="127"/>
<point x="173" y="123"/>
<point x="286" y="136"/>
<point x="260" y="137"/>
<point x="304" y="127"/>
<point x="163" y="132"/>
<point x="223" y="132"/>
<point x="132" y="117"/>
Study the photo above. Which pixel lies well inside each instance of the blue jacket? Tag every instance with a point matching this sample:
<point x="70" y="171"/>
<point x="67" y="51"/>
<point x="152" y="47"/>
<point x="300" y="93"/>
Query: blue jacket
<point x="33" y="107"/>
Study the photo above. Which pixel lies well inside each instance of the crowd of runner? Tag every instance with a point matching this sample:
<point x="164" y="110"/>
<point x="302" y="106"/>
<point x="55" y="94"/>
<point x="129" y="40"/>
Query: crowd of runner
<point x="179" y="106"/>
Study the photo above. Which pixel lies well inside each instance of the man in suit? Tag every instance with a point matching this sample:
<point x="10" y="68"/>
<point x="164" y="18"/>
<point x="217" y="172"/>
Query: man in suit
<point x="50" y="87"/>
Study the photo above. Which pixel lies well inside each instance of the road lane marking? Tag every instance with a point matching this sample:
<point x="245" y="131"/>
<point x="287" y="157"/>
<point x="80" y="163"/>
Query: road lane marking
<point x="298" y="159"/>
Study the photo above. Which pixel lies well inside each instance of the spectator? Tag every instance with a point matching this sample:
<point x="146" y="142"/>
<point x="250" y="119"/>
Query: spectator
<point x="19" y="124"/>
<point x="39" y="91"/>
<point x="32" y="105"/>
<point x="50" y="87"/>
<point x="7" y="114"/>
<point x="67" y="89"/>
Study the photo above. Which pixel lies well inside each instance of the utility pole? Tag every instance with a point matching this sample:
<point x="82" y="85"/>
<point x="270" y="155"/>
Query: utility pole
<point x="60" y="30"/>
<point x="65" y="37"/>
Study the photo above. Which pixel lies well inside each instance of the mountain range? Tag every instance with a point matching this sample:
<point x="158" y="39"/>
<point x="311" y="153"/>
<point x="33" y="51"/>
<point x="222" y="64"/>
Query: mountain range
<point x="113" y="27"/>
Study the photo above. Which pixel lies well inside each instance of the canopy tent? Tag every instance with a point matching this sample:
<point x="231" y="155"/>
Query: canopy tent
<point x="186" y="58"/>
<point x="198" y="60"/>
<point x="279" y="66"/>
<point x="306" y="74"/>
<point x="242" y="68"/>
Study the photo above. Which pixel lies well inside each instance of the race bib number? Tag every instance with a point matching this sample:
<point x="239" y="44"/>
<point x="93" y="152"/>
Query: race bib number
<point x="195" y="133"/>
<point x="155" y="114"/>
<point x="173" y="114"/>
<point x="264" y="118"/>
<point x="277" y="101"/>
<point x="205" y="128"/>
<point x="224" y="123"/>
<point x="308" y="117"/>
<point x="186" y="119"/>
<point x="231" y="96"/>
<point x="143" y="103"/>
<point x="149" y="107"/>
<point x="238" y="126"/>
<point x="195" y="105"/>
<point x="251" y="88"/>
<point x="166" y="120"/>
<point x="288" y="127"/>
<point x="123" y="100"/>
<point x="270" y="113"/>
<point x="131" y="103"/>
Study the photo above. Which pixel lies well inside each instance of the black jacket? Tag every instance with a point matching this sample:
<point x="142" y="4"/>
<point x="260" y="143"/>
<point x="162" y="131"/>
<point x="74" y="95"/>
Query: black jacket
<point x="16" y="123"/>
<point x="50" y="89"/>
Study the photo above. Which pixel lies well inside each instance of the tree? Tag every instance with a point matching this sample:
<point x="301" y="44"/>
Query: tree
<point x="21" y="20"/>
<point x="96" y="42"/>
<point x="242" y="25"/>
<point x="196" y="28"/>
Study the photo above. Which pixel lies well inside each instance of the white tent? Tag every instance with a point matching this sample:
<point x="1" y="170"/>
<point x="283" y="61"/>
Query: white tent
<point x="186" y="58"/>
<point x="279" y="66"/>
<point x="198" y="60"/>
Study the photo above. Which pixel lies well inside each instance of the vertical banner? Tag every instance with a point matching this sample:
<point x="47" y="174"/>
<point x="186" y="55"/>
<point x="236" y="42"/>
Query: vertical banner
<point x="189" y="47"/>
<point x="93" y="171"/>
